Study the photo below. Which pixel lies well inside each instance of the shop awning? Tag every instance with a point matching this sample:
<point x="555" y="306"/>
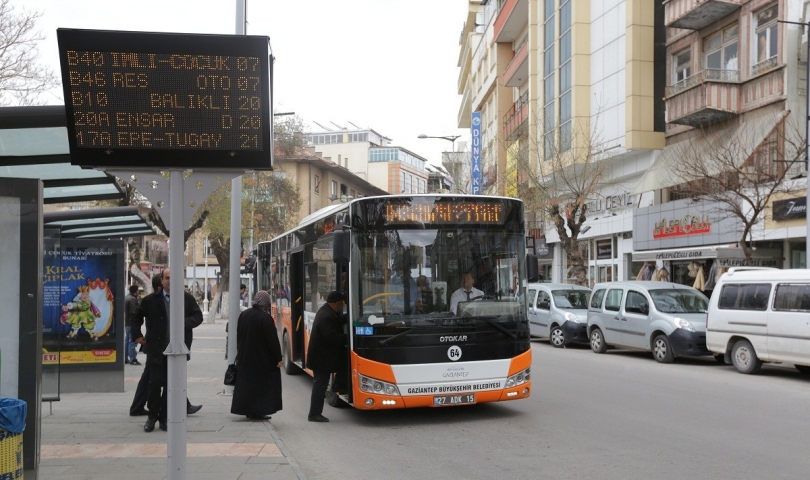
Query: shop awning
<point x="725" y="255"/>
<point x="707" y="146"/>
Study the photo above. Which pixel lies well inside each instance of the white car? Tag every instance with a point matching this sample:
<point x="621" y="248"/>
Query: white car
<point x="558" y="311"/>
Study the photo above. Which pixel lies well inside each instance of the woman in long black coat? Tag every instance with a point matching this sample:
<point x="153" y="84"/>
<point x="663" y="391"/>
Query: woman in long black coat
<point x="257" y="393"/>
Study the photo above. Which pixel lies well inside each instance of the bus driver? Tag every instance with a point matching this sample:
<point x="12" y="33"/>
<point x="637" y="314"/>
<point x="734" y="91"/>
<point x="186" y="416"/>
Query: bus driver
<point x="466" y="293"/>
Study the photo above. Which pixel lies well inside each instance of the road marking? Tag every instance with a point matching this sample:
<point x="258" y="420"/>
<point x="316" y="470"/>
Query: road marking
<point x="127" y="450"/>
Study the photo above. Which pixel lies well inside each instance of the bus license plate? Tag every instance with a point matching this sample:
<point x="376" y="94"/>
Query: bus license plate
<point x="441" y="400"/>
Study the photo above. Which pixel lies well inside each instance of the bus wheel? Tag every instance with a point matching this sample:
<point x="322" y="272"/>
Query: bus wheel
<point x="331" y="398"/>
<point x="289" y="367"/>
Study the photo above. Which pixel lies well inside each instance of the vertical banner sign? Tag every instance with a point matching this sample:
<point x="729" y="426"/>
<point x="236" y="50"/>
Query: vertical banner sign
<point x="475" y="170"/>
<point x="83" y="302"/>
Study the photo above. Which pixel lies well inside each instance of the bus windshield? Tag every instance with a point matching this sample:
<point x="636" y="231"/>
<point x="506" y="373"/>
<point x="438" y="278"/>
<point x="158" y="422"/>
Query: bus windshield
<point x="414" y="277"/>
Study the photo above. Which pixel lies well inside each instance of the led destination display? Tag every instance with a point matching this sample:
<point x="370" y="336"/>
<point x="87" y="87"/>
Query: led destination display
<point x="135" y="99"/>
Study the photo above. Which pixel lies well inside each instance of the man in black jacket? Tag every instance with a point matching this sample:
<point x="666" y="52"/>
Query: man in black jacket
<point x="154" y="308"/>
<point x="326" y="352"/>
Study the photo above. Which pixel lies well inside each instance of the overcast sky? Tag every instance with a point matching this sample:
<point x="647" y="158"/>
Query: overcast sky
<point x="389" y="65"/>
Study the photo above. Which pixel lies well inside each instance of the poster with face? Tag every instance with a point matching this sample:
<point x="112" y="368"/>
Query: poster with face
<point x="83" y="285"/>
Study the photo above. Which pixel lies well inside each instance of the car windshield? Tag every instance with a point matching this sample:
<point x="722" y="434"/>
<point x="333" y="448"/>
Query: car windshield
<point x="679" y="301"/>
<point x="571" y="299"/>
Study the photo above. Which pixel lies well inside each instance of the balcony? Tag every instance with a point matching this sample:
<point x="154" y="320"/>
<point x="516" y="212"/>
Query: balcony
<point x="517" y="71"/>
<point x="512" y="18"/>
<point x="516" y="117"/>
<point x="707" y="97"/>
<point x="696" y="14"/>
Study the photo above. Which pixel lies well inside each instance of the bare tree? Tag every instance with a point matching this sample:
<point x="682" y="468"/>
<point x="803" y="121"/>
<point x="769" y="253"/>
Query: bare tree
<point x="739" y="169"/>
<point x="556" y="176"/>
<point x="22" y="78"/>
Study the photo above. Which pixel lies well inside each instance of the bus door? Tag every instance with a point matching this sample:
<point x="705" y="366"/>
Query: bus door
<point x="297" y="305"/>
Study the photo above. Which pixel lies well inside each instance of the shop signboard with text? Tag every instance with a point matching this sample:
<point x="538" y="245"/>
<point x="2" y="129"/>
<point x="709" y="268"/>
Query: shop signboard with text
<point x="683" y="223"/>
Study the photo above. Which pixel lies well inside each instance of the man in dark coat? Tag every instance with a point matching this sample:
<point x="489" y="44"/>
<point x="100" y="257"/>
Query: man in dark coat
<point x="154" y="308"/>
<point x="257" y="393"/>
<point x="138" y="407"/>
<point x="326" y="352"/>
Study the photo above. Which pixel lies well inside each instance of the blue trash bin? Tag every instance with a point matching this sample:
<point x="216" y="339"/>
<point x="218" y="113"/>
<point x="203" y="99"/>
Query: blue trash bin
<point x="12" y="424"/>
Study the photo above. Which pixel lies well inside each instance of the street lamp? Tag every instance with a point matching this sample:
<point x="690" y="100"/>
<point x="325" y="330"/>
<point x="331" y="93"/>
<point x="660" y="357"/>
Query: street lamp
<point x="450" y="138"/>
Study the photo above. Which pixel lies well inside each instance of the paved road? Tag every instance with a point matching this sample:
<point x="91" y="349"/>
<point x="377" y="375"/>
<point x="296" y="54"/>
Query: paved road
<point x="615" y="416"/>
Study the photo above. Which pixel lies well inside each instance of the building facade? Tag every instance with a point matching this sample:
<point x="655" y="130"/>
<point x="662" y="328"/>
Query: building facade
<point x="369" y="155"/>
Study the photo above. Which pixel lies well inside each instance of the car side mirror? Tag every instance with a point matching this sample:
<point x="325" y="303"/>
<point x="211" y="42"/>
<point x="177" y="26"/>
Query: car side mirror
<point x="544" y="305"/>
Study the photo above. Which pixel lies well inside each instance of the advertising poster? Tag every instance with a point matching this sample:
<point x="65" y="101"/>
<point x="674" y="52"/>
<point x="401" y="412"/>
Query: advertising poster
<point x="83" y="291"/>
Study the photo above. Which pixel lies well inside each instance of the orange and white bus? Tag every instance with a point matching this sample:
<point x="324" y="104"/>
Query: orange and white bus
<point x="407" y="348"/>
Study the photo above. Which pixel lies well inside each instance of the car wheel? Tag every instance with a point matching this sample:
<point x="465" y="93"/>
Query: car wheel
<point x="744" y="358"/>
<point x="662" y="349"/>
<point x="598" y="344"/>
<point x="289" y="367"/>
<point x="721" y="359"/>
<point x="803" y="369"/>
<point x="556" y="337"/>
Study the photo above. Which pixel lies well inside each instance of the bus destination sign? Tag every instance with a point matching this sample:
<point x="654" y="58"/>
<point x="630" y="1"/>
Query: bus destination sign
<point x="444" y="212"/>
<point x="136" y="99"/>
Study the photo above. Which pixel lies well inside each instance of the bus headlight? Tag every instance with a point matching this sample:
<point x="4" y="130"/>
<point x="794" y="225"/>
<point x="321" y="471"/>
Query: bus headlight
<point x="519" y="378"/>
<point x="372" y="385"/>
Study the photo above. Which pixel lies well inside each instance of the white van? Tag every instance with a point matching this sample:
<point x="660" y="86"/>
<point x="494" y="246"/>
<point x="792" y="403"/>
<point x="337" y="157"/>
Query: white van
<point x="761" y="315"/>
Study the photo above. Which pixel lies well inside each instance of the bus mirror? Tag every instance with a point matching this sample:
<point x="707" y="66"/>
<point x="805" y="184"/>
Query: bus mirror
<point x="531" y="268"/>
<point x="340" y="246"/>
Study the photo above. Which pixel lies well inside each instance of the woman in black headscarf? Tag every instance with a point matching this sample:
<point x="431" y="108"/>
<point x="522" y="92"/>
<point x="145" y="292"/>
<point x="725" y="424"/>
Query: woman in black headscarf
<point x="257" y="393"/>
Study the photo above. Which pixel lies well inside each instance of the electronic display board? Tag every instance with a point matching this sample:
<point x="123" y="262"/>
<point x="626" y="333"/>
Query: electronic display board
<point x="140" y="99"/>
<point x="444" y="213"/>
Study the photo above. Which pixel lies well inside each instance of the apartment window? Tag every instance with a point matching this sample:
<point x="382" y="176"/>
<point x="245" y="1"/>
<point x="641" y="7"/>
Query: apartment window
<point x="548" y="73"/>
<point x="333" y="191"/>
<point x="765" y="37"/>
<point x="565" y="76"/>
<point x="720" y="49"/>
<point x="316" y="185"/>
<point x="682" y="65"/>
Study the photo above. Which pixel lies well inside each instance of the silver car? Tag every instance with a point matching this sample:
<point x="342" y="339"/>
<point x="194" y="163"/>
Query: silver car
<point x="559" y="312"/>
<point x="667" y="319"/>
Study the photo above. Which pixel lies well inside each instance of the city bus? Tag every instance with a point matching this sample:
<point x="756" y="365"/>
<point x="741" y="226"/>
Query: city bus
<point x="410" y="344"/>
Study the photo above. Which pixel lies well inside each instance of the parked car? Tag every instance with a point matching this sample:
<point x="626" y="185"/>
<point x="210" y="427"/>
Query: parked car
<point x="559" y="312"/>
<point x="667" y="319"/>
<point x="760" y="316"/>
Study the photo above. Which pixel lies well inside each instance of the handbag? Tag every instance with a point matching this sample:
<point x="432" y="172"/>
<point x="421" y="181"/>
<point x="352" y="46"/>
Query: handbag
<point x="230" y="375"/>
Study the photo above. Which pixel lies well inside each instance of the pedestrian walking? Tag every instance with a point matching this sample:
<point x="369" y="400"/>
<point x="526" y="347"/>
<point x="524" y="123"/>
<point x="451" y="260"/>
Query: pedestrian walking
<point x="326" y="353"/>
<point x="257" y="393"/>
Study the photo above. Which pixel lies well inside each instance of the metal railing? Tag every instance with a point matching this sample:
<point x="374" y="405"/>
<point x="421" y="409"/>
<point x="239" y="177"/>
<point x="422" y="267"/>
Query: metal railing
<point x="763" y="66"/>
<point x="709" y="74"/>
<point x="514" y="113"/>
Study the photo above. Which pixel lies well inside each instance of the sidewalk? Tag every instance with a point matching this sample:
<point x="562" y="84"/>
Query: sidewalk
<point x="91" y="435"/>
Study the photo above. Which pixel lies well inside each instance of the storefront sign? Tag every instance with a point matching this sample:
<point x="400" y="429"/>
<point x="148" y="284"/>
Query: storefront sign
<point x="604" y="249"/>
<point x="790" y="209"/>
<point x="611" y="202"/>
<point x="688" y="225"/>
<point x="543" y="250"/>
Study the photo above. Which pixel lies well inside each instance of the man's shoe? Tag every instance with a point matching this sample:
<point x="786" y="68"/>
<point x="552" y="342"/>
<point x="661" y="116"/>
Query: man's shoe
<point x="258" y="417"/>
<point x="139" y="413"/>
<point x="317" y="418"/>
<point x="135" y="362"/>
<point x="192" y="409"/>
<point x="149" y="425"/>
<point x="163" y="426"/>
